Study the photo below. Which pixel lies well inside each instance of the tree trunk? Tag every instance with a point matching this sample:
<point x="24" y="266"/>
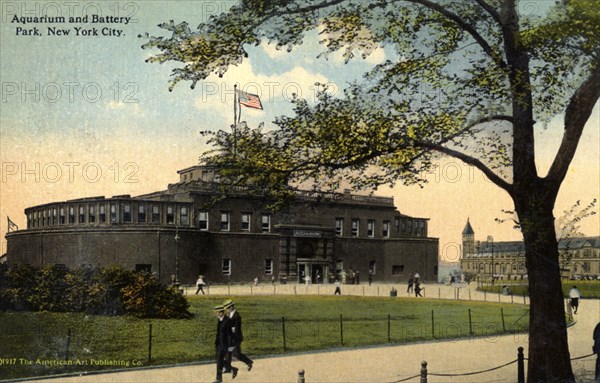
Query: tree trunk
<point x="549" y="358"/>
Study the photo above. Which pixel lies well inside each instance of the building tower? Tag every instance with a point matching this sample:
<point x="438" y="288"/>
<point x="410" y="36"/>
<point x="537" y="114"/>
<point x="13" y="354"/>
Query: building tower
<point x="468" y="240"/>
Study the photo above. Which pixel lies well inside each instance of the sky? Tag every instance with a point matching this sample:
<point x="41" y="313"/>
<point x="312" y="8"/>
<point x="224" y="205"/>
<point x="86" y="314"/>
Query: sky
<point x="84" y="115"/>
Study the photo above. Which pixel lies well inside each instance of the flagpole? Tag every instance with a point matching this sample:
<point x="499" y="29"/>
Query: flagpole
<point x="235" y="118"/>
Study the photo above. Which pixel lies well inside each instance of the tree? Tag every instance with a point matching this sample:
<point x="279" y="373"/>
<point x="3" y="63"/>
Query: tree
<point x="499" y="75"/>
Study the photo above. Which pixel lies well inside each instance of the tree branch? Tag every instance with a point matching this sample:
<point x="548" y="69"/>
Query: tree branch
<point x="489" y="9"/>
<point x="470" y="161"/>
<point x="577" y="114"/>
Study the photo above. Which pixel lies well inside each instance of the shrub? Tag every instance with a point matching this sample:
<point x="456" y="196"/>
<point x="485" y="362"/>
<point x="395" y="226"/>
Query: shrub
<point x="147" y="297"/>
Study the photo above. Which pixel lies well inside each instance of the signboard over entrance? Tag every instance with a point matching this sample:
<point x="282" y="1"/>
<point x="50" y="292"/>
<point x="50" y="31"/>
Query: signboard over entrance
<point x="308" y="233"/>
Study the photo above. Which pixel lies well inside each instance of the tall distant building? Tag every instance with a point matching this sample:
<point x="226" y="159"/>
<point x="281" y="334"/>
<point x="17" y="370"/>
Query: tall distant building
<point x="191" y="229"/>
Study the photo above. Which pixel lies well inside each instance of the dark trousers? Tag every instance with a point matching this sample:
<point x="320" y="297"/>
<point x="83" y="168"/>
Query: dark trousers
<point x="200" y="289"/>
<point x="237" y="352"/>
<point x="222" y="362"/>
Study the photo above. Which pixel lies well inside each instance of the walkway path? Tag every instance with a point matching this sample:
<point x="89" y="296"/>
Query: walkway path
<point x="379" y="364"/>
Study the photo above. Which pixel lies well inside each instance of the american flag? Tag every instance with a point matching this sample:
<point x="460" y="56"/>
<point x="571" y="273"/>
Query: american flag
<point x="249" y="100"/>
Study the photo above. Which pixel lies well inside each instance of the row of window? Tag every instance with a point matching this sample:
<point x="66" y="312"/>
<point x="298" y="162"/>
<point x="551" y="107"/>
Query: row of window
<point x="107" y="213"/>
<point x="406" y="226"/>
<point x="225" y="221"/>
<point x="226" y="266"/>
<point x="113" y="213"/>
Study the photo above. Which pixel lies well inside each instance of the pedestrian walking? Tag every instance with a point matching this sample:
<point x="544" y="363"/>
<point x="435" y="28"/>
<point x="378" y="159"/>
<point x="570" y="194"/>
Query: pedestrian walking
<point x="409" y="289"/>
<point x="200" y="284"/>
<point x="357" y="277"/>
<point x="418" y="290"/>
<point x="338" y="290"/>
<point x="370" y="277"/>
<point x="575" y="296"/>
<point x="234" y="327"/>
<point x="222" y="343"/>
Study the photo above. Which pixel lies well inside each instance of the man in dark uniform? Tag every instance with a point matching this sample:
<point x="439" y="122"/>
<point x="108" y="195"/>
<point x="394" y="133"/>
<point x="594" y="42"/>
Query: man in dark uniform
<point x="234" y="326"/>
<point x="222" y="343"/>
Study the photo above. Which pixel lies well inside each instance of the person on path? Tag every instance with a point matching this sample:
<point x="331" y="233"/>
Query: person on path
<point x="410" y="285"/>
<point x="338" y="290"/>
<point x="575" y="296"/>
<point x="234" y="327"/>
<point x="418" y="290"/>
<point x="222" y="342"/>
<point x="596" y="349"/>
<point x="200" y="284"/>
<point x="370" y="277"/>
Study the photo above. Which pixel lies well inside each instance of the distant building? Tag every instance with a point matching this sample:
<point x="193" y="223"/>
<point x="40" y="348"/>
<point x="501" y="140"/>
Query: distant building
<point x="189" y="229"/>
<point x="578" y="257"/>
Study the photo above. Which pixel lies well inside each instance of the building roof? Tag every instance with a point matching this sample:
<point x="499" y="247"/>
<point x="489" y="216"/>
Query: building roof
<point x="468" y="229"/>
<point x="518" y="247"/>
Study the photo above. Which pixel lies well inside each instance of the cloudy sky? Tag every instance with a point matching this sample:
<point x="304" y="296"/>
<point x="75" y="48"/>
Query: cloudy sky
<point x="84" y="115"/>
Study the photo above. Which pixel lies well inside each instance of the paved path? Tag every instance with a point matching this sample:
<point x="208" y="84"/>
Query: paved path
<point x="379" y="364"/>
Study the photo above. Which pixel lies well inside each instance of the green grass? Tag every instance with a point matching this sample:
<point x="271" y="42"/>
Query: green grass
<point x="588" y="289"/>
<point x="311" y="323"/>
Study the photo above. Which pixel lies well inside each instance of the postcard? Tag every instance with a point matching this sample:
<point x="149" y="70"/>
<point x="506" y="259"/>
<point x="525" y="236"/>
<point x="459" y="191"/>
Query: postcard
<point x="422" y="171"/>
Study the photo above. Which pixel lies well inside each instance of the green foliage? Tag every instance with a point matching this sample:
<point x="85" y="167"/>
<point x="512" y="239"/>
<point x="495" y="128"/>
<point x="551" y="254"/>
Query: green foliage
<point x="108" y="291"/>
<point x="146" y="297"/>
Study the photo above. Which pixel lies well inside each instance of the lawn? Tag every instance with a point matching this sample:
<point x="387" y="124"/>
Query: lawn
<point x="39" y="343"/>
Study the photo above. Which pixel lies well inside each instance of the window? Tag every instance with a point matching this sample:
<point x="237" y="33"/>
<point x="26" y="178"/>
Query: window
<point x="92" y="214"/>
<point x="339" y="227"/>
<point x="269" y="266"/>
<point x="44" y="218"/>
<point x="170" y="215"/>
<point x="155" y="214"/>
<point x="397" y="269"/>
<point x="141" y="213"/>
<point x="225" y="215"/>
<point x="397" y="224"/>
<point x="54" y="216"/>
<point x="113" y="213"/>
<point x="62" y="216"/>
<point x="127" y="212"/>
<point x="102" y="213"/>
<point x="226" y="266"/>
<point x="81" y="214"/>
<point x="203" y="219"/>
<point x="184" y="218"/>
<point x="265" y="222"/>
<point x="370" y="228"/>
<point x="246" y="221"/>
<point x="71" y="214"/>
<point x="372" y="267"/>
<point x="355" y="227"/>
<point x="385" y="229"/>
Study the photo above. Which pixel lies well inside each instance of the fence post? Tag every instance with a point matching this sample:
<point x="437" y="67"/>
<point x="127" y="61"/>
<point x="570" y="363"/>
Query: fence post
<point x="470" y="324"/>
<point x="469" y="294"/>
<point x="520" y="365"/>
<point x="149" y="343"/>
<point x="341" y="330"/>
<point x="294" y="289"/>
<point x="439" y="293"/>
<point x="524" y="302"/>
<point x="484" y="295"/>
<point x="250" y="289"/>
<point x="377" y="290"/>
<point x="498" y="297"/>
<point x="389" y="328"/>
<point x="512" y="298"/>
<point x="503" y="324"/>
<point x="228" y="289"/>
<point x="283" y="331"/>
<point x="432" y="326"/>
<point x="423" y="372"/>
<point x="68" y="344"/>
<point x="301" y="376"/>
